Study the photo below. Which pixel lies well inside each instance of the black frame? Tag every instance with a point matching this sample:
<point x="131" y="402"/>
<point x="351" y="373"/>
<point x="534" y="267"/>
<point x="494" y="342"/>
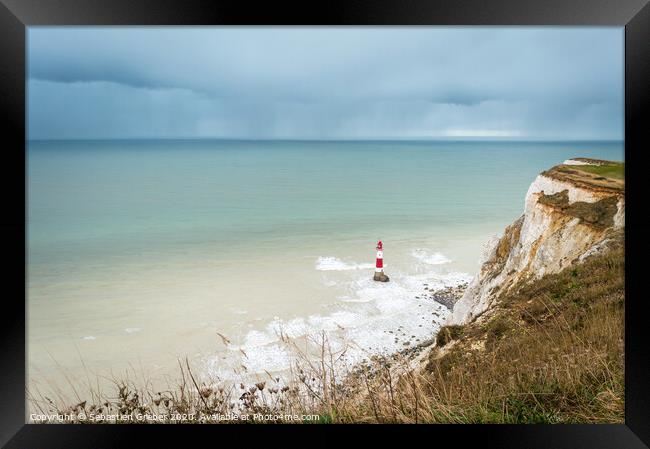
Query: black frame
<point x="16" y="15"/>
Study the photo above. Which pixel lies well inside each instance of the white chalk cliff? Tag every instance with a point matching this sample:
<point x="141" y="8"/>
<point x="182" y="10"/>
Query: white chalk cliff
<point x="569" y="214"/>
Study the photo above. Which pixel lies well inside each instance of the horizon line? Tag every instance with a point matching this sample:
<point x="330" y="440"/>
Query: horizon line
<point x="317" y="139"/>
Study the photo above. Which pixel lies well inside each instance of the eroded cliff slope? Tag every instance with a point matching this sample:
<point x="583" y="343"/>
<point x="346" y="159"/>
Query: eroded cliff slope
<point x="571" y="211"/>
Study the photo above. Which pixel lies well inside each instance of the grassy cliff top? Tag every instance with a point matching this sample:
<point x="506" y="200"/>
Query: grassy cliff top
<point x="600" y="175"/>
<point x="607" y="169"/>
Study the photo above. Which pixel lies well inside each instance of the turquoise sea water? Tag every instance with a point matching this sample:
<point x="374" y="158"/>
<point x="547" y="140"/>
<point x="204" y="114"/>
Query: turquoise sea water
<point x="143" y="249"/>
<point x="90" y="199"/>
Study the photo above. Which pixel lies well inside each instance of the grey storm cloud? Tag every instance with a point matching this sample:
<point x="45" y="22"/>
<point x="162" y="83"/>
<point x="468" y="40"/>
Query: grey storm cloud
<point x="332" y="82"/>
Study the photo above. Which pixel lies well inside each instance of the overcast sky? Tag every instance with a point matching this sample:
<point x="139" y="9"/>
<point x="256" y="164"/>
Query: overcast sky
<point x="325" y="83"/>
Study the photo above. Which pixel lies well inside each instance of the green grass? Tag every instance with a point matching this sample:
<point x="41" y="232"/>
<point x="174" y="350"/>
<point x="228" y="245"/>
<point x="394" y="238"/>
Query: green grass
<point x="614" y="170"/>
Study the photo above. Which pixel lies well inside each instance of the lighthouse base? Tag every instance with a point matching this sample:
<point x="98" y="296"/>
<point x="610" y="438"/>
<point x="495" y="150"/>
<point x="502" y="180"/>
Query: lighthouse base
<point x="380" y="277"/>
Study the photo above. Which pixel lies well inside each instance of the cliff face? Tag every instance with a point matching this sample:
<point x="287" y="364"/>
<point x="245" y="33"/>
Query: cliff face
<point x="571" y="211"/>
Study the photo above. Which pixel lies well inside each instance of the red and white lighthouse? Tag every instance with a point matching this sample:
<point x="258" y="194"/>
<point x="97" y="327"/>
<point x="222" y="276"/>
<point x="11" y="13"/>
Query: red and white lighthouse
<point x="379" y="264"/>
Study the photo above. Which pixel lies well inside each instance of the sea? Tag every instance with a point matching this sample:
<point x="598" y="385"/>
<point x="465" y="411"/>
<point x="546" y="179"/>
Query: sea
<point x="144" y="253"/>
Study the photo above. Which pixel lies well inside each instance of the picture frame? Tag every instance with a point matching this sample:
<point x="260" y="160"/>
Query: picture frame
<point x="17" y="15"/>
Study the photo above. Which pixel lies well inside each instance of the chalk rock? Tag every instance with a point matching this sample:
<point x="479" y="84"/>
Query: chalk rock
<point x="381" y="277"/>
<point x="567" y="216"/>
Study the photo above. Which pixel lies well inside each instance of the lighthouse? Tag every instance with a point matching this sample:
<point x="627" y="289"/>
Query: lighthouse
<point x="379" y="264"/>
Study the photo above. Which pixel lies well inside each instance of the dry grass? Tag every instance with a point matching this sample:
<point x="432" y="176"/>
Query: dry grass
<point x="551" y="353"/>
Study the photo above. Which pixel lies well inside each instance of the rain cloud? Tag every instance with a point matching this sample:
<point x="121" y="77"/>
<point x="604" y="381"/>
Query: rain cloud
<point x="325" y="83"/>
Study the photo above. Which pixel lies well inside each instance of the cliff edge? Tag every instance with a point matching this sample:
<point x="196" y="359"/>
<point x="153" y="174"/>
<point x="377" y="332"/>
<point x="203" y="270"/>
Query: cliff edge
<point x="572" y="211"/>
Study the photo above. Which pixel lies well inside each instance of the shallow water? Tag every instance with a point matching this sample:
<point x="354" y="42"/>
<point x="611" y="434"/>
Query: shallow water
<point x="141" y="251"/>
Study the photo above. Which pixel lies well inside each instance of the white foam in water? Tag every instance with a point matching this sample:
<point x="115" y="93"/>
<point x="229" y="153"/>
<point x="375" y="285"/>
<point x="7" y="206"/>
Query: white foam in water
<point x="132" y="330"/>
<point x="89" y="337"/>
<point x="430" y="259"/>
<point x="349" y="299"/>
<point x="361" y="321"/>
<point x="293" y="328"/>
<point x="333" y="264"/>
<point x="338" y="320"/>
<point x="255" y="339"/>
<point x="274" y="357"/>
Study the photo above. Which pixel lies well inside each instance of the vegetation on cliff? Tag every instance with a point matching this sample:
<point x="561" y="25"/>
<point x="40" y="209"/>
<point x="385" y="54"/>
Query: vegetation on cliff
<point x="594" y="174"/>
<point x="608" y="169"/>
<point x="551" y="352"/>
<point x="599" y="214"/>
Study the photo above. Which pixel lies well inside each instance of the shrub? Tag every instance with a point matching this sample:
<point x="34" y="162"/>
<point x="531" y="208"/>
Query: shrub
<point x="447" y="334"/>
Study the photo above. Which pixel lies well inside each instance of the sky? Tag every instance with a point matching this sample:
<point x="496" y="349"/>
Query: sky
<point x="549" y="83"/>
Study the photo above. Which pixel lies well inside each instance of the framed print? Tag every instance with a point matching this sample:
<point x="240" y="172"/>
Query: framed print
<point x="347" y="214"/>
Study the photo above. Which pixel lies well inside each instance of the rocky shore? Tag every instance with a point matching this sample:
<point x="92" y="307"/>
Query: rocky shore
<point x="413" y="347"/>
<point x="447" y="296"/>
